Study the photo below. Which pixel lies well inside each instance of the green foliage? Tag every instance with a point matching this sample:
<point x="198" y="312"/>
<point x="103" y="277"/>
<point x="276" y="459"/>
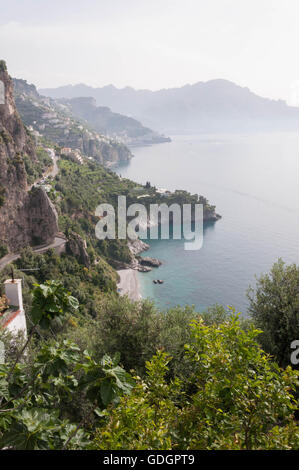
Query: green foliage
<point x="239" y="389"/>
<point x="121" y="326"/>
<point x="114" y="250"/>
<point x="34" y="429"/>
<point x="274" y="307"/>
<point x="218" y="314"/>
<point x="80" y="189"/>
<point x="143" y="421"/>
<point x="51" y="300"/>
<point x="92" y="184"/>
<point x="35" y="395"/>
<point x="3" y="250"/>
<point x="34" y="413"/>
<point x="135" y="331"/>
<point x="35" y="169"/>
<point x="236" y="398"/>
<point x="105" y="380"/>
<point x="217" y="390"/>
<point x="43" y="157"/>
<point x="86" y="284"/>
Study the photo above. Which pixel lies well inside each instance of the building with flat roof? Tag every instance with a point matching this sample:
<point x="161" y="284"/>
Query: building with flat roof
<point x="13" y="317"/>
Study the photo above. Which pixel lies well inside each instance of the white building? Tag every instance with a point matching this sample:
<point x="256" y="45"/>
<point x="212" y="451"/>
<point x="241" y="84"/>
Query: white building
<point x="13" y="319"/>
<point x="163" y="192"/>
<point x="50" y="152"/>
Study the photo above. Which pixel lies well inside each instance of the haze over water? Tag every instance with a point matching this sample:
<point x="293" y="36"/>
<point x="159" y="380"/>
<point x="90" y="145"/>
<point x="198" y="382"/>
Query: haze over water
<point x="253" y="181"/>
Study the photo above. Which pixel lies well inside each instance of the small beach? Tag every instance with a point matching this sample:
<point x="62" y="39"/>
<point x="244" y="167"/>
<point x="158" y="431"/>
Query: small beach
<point x="129" y="284"/>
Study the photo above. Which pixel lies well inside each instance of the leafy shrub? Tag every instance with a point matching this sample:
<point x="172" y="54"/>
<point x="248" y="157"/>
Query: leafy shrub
<point x="274" y="307"/>
<point x="238" y="399"/>
<point x="3" y="250"/>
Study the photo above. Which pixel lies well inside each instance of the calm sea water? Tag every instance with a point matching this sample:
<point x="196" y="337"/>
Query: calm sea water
<point x="253" y="181"/>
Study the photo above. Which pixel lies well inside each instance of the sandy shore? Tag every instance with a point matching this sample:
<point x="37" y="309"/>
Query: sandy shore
<point x="129" y="284"/>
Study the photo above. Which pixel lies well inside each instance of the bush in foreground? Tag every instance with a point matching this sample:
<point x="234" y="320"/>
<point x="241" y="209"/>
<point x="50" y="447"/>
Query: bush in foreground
<point x="236" y="398"/>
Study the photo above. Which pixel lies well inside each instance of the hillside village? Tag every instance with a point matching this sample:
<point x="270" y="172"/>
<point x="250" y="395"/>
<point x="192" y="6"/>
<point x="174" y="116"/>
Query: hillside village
<point x="51" y="122"/>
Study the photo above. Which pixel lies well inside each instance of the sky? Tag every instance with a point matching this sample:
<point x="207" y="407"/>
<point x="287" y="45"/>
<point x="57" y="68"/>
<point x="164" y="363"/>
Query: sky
<point x="154" y="44"/>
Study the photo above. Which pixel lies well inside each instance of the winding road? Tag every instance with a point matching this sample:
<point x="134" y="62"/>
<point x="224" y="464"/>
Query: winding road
<point x="59" y="239"/>
<point x="51" y="172"/>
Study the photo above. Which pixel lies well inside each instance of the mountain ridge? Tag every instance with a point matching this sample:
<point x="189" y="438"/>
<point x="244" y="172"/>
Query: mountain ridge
<point x="218" y="105"/>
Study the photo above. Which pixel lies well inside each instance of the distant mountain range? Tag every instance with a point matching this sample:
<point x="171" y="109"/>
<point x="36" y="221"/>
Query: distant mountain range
<point x="213" y="106"/>
<point x="35" y="108"/>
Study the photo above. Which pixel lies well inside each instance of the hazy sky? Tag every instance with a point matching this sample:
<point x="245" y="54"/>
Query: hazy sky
<point x="154" y="43"/>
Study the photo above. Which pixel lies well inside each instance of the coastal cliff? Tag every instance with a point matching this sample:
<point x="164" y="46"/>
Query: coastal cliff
<point x="26" y="218"/>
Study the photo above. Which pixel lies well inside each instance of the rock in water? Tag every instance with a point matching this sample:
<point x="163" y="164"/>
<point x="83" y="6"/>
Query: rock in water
<point x="147" y="261"/>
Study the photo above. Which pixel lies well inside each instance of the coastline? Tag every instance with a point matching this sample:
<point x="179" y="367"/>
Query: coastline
<point x="129" y="284"/>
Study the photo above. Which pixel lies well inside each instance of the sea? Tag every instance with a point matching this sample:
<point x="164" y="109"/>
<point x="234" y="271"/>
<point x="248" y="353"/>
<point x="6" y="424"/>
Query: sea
<point x="253" y="179"/>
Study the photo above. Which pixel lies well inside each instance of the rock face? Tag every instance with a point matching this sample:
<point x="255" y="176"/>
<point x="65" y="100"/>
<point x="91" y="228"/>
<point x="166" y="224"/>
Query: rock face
<point x="76" y="246"/>
<point x="42" y="217"/>
<point x="139" y="263"/>
<point x="26" y="218"/>
<point x="137" y="246"/>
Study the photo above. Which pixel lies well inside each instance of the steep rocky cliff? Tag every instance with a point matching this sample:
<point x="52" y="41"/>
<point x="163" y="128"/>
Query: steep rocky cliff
<point x="26" y="218"/>
<point x="76" y="246"/>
